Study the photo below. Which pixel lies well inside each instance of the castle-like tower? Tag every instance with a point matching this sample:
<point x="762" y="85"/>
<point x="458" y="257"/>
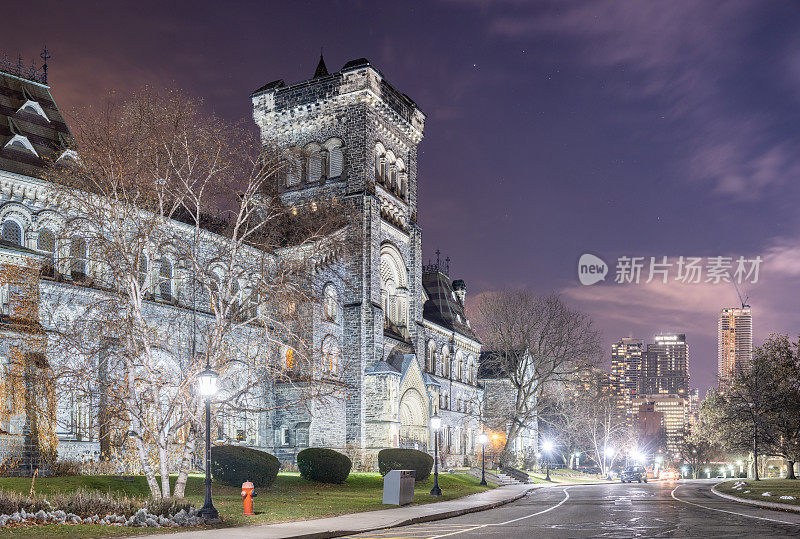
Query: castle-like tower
<point x="352" y="135"/>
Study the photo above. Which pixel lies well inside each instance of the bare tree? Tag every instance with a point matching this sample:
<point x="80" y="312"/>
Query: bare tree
<point x="168" y="206"/>
<point x="534" y="341"/>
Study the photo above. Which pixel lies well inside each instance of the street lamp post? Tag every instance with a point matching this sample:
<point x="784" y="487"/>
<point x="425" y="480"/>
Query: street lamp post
<point x="609" y="452"/>
<point x="436" y="424"/>
<point x="482" y="439"/>
<point x="547" y="446"/>
<point x="207" y="384"/>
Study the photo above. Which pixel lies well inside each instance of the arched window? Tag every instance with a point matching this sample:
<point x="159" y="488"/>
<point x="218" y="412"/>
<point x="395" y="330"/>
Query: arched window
<point x="165" y="282"/>
<point x="380" y="163"/>
<point x="430" y="357"/>
<point x="289" y="358"/>
<point x="12" y="232"/>
<point x="77" y="255"/>
<point x="446" y="361"/>
<point x="473" y="372"/>
<point x="330" y="353"/>
<point x="294" y="169"/>
<point x="314" y="163"/>
<point x="47" y="244"/>
<point x="459" y="364"/>
<point x="394" y="289"/>
<point x="401" y="179"/>
<point x="330" y="304"/>
<point x="335" y="157"/>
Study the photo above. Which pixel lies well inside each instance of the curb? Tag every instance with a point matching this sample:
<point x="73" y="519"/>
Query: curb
<point x="417" y="520"/>
<point x="766" y="505"/>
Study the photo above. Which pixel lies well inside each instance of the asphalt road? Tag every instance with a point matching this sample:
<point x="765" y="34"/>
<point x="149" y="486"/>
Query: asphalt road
<point x="684" y="508"/>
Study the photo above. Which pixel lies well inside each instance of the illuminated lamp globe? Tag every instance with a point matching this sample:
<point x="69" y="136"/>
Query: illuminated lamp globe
<point x="207" y="382"/>
<point x="482" y="439"/>
<point x="436" y="422"/>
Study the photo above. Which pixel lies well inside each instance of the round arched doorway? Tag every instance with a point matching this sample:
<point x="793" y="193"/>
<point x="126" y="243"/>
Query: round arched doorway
<point x="413" y="420"/>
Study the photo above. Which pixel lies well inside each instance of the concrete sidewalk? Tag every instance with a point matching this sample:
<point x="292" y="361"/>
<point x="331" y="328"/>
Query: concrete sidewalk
<point x="371" y="520"/>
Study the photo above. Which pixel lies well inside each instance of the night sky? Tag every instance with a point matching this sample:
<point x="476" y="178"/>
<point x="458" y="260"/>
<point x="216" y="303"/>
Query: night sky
<point x="554" y="129"/>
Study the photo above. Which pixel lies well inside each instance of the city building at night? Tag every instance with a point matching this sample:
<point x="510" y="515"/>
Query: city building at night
<point x="626" y="367"/>
<point x="665" y="366"/>
<point x="734" y="340"/>
<point x="672" y="410"/>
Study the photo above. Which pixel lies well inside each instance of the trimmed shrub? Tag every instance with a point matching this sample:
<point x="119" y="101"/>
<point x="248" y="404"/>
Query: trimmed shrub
<point x="323" y="465"/>
<point x="233" y="465"/>
<point x="405" y="459"/>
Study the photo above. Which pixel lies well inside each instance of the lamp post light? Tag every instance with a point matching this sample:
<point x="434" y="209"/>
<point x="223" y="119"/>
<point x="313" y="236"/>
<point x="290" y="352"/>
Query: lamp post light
<point x="547" y="446"/>
<point x="482" y="439"/>
<point x="684" y="471"/>
<point x="608" y="452"/>
<point x="741" y="466"/>
<point x="708" y="473"/>
<point x="207" y="385"/>
<point x="436" y="424"/>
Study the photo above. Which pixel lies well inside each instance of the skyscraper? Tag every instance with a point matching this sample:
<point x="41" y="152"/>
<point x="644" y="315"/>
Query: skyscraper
<point x="665" y="366"/>
<point x="626" y="364"/>
<point x="734" y="340"/>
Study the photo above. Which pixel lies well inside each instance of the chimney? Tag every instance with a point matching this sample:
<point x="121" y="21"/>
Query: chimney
<point x="460" y="288"/>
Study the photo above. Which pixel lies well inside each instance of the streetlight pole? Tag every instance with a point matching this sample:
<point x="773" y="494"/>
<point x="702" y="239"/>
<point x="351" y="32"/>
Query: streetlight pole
<point x="207" y="383"/>
<point x="547" y="446"/>
<point x="482" y="439"/>
<point x="436" y="424"/>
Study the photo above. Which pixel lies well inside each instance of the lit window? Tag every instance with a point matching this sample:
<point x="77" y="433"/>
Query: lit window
<point x="289" y="358"/>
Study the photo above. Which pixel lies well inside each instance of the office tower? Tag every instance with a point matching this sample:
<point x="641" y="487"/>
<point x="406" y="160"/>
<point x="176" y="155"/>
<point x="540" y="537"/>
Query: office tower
<point x="665" y="366"/>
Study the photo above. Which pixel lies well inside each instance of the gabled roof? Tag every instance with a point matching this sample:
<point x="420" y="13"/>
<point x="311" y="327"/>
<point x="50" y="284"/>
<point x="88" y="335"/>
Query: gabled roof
<point x="443" y="307"/>
<point x="32" y="129"/>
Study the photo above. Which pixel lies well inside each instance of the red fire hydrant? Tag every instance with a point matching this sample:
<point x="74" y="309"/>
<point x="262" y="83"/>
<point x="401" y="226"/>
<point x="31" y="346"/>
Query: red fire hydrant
<point x="248" y="493"/>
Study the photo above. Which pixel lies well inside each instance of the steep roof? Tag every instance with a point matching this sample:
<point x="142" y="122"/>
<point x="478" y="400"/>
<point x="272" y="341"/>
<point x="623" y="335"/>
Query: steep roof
<point x="443" y="306"/>
<point x="322" y="70"/>
<point x="32" y="129"/>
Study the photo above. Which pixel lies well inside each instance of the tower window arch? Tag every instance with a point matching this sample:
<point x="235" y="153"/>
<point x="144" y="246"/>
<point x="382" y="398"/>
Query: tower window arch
<point x="459" y="365"/>
<point x="446" y="361"/>
<point x="335" y="157"/>
<point x="12" y="232"/>
<point x="330" y="303"/>
<point x="314" y="163"/>
<point x="394" y="288"/>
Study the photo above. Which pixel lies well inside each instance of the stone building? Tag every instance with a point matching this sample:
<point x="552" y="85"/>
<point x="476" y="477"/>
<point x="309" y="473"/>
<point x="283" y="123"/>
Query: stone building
<point x="396" y="328"/>
<point x="401" y="330"/>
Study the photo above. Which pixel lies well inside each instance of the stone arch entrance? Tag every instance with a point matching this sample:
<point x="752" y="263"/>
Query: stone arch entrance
<point x="413" y="420"/>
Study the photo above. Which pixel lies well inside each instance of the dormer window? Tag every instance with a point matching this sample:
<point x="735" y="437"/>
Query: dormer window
<point x="68" y="154"/>
<point x="33" y="107"/>
<point x="21" y="142"/>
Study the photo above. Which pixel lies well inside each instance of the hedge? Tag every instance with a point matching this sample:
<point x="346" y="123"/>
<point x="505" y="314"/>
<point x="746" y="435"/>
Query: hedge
<point x="405" y="459"/>
<point x="233" y="465"/>
<point x="323" y="465"/>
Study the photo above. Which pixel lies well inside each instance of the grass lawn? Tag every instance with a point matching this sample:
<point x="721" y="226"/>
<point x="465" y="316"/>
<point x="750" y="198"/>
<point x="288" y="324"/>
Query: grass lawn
<point x="776" y="487"/>
<point x="290" y="498"/>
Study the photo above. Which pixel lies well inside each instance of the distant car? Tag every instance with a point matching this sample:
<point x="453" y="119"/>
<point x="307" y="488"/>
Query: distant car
<point x="669" y="475"/>
<point x="633" y="473"/>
